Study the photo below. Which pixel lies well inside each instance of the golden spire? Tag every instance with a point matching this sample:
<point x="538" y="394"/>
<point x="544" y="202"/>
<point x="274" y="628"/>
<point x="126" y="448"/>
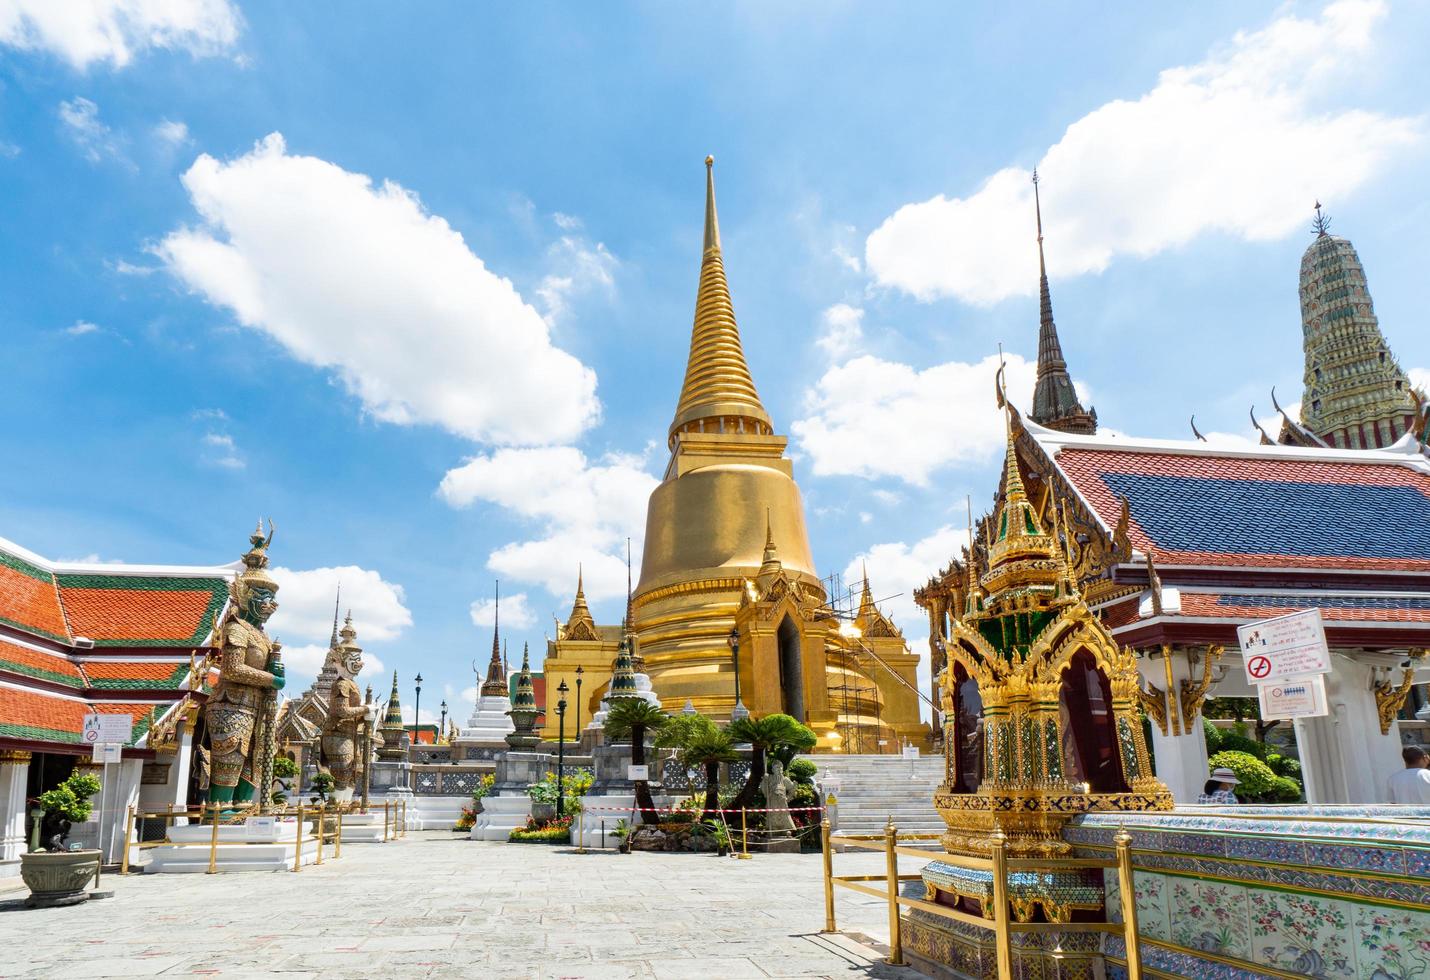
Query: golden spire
<point x="772" y="564"/>
<point x="1019" y="536"/>
<point x="580" y="625"/>
<point x="718" y="392"/>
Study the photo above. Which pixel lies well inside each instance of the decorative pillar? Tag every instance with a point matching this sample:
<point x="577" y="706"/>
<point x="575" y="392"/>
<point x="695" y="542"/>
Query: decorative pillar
<point x="1345" y="758"/>
<point x="14" y="774"/>
<point x="1179" y="746"/>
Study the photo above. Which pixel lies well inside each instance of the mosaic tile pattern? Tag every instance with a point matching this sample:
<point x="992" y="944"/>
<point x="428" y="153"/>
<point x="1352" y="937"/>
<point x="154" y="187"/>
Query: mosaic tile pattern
<point x="1211" y="917"/>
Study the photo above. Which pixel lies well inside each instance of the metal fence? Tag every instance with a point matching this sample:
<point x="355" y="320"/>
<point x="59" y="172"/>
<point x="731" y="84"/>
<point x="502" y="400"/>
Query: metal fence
<point x="996" y="913"/>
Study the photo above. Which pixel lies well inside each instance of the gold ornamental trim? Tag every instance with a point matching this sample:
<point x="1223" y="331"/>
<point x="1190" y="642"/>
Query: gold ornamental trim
<point x="688" y="588"/>
<point x="14" y="757"/>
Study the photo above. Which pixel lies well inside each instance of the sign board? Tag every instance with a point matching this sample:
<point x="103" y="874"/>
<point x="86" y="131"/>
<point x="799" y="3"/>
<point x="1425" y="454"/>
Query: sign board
<point x="911" y="751"/>
<point x="1288" y="646"/>
<point x="261" y="828"/>
<point x="1294" y="697"/>
<point x="107" y="728"/>
<point x="637" y="772"/>
<point x="106" y="752"/>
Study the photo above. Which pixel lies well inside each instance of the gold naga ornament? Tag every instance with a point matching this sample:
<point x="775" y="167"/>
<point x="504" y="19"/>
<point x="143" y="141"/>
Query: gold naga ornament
<point x="1041" y="720"/>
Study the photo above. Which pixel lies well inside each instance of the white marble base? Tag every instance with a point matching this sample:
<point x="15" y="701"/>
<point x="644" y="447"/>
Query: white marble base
<point x="435" y="812"/>
<point x="363" y="828"/>
<point x="272" y="852"/>
<point x="489" y="724"/>
<point x="586" y="830"/>
<point x="500" y="816"/>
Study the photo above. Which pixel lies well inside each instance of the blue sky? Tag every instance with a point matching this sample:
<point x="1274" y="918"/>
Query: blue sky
<point x="419" y="286"/>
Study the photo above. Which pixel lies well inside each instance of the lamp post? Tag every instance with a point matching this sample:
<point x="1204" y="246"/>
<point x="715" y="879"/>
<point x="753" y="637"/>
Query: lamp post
<point x="442" y="725"/>
<point x="577" y="730"/>
<point x="417" y="714"/>
<point x="561" y="750"/>
<point x="738" y="712"/>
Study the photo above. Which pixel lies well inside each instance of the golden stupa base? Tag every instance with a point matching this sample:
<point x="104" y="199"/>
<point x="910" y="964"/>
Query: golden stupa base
<point x="1031" y="819"/>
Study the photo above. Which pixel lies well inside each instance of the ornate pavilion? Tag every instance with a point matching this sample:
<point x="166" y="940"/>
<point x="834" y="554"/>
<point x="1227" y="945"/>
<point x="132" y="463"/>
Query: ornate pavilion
<point x="727" y="558"/>
<point x="82" y="638"/>
<point x="1174" y="544"/>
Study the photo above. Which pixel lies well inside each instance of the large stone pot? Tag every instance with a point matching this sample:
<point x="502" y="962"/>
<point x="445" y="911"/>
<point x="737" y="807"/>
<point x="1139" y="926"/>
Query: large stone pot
<point x="542" y="812"/>
<point x="57" y="877"/>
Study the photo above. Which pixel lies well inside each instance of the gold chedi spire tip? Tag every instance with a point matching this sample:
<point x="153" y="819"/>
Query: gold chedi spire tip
<point x="718" y="394"/>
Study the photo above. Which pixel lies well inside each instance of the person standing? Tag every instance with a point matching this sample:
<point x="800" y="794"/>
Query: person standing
<point x="1218" y="789"/>
<point x="1411" y="785"/>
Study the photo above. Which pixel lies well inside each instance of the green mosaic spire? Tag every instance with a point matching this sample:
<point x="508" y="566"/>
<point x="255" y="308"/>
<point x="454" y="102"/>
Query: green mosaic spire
<point x="1356" y="396"/>
<point x="623" y="673"/>
<point x="524" y="711"/>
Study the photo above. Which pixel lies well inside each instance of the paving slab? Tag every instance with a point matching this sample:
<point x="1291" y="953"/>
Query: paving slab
<point x="443" y="906"/>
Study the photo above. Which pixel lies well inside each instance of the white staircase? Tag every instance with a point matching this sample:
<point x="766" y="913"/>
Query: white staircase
<point x="872" y="788"/>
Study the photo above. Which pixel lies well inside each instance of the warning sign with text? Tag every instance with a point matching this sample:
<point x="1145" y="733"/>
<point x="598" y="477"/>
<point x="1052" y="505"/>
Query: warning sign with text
<point x="1287" y="646"/>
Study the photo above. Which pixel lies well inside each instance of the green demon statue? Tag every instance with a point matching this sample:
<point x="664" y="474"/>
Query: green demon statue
<point x="239" y="714"/>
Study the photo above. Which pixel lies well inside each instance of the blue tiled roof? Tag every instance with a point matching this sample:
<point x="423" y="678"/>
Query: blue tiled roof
<point x="1272" y="517"/>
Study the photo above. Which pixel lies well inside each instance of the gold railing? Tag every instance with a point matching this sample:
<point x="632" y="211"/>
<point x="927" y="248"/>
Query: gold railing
<point x="996" y="914"/>
<point x="394" y="825"/>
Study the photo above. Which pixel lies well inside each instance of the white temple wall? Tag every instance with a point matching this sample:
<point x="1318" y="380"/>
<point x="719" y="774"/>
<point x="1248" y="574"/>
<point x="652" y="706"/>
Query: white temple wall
<point x="13" y="777"/>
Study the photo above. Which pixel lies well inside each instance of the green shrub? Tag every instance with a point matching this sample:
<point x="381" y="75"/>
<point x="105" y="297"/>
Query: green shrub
<point x="803" y="796"/>
<point x="1284" y="790"/>
<point x="1213" y="736"/>
<point x="284" y="767"/>
<point x="1256" y="778"/>
<point x="484" y="786"/>
<point x="802" y="771"/>
<point x="1284" y="766"/>
<point x="70" y="800"/>
<point x="1234" y="742"/>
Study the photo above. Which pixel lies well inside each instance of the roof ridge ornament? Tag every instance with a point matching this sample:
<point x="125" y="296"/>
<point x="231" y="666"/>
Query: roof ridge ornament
<point x="1321" y="225"/>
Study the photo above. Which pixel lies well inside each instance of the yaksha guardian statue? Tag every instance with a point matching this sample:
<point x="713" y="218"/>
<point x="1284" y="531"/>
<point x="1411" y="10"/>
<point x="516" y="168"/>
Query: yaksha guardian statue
<point x="239" y="714"/>
<point x="347" y="728"/>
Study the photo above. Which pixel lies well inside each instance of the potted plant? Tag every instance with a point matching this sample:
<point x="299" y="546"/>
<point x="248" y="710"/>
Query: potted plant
<point x="481" y="791"/>
<point x="55" y="875"/>
<point x="284" y="769"/>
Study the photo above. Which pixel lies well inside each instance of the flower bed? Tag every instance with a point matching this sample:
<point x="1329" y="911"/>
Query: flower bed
<point x="556" y="831"/>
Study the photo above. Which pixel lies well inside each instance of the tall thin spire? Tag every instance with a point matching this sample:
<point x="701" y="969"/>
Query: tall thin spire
<point x="1055" y="401"/>
<point x="495" y="684"/>
<point x="718" y="394"/>
<point x="337" y="601"/>
<point x="1322" y="223"/>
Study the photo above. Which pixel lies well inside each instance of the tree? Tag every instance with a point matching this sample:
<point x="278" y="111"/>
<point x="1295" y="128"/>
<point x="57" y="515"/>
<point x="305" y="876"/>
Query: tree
<point x="709" y="749"/>
<point x="1241" y="709"/>
<point x="777" y="735"/>
<point x="632" y="718"/>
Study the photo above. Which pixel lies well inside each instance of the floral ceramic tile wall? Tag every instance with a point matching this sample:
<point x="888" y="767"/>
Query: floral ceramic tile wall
<point x="1392" y="944"/>
<point x="1151" y="891"/>
<point x="1303" y="934"/>
<point x="1210" y="917"/>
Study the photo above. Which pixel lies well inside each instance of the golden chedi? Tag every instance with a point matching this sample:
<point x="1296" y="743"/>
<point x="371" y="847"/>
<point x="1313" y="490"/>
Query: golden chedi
<point x="1039" y="700"/>
<point x="727" y="551"/>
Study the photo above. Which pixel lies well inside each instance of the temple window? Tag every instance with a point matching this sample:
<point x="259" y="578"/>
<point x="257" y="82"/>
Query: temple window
<point x="1089" y="729"/>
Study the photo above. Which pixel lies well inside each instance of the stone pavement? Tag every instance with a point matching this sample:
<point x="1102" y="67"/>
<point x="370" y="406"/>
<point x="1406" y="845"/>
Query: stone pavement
<point x="435" y="904"/>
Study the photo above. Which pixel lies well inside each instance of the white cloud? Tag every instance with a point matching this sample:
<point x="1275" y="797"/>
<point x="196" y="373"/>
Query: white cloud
<point x="1240" y="143"/>
<point x="870" y="417"/>
<point x="220" y="450"/>
<point x="361" y="279"/>
<point x="842" y="332"/>
<point x="515" y="611"/>
<point x="301" y="665"/>
<point x="305" y="604"/>
<point x="172" y="134"/>
<point x="578" y="268"/>
<point x="9" y="150"/>
<point x="113" y="31"/>
<point x="80" y="118"/>
<point x="82" y="327"/>
<point x="1419" y="378"/>
<point x="584" y="512"/>
<point x="895" y="570"/>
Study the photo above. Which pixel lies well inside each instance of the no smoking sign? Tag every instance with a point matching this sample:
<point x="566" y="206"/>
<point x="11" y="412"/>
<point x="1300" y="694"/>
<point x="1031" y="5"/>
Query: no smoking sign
<point x="1258" y="667"/>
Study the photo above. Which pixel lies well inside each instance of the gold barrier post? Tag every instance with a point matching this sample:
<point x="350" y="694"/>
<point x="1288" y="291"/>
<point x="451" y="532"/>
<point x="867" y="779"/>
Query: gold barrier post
<point x="744" y="836"/>
<point x="385" y="806"/>
<point x="1129" y="903"/>
<point x="1003" y="937"/>
<point x="128" y="832"/>
<point x="891" y="865"/>
<point x="213" y="843"/>
<point x="338" y="841"/>
<point x="322" y="822"/>
<point x="828" y="876"/>
<point x="298" y="836"/>
<point x="404" y="818"/>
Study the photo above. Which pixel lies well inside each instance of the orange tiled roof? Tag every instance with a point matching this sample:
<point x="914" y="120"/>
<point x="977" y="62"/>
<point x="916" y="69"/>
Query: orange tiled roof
<point x="56" y="667"/>
<point x="47" y="717"/>
<point x="134" y="675"/>
<point x="29" y="600"/>
<point x="141" y="610"/>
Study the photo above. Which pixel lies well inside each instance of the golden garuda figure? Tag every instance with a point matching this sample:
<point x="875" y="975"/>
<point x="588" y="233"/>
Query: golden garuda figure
<point x="347" y="728"/>
<point x="239" y="715"/>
